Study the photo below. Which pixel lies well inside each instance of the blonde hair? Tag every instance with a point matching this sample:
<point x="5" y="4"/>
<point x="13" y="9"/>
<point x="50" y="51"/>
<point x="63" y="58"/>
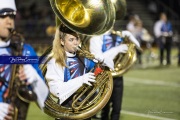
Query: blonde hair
<point x="58" y="50"/>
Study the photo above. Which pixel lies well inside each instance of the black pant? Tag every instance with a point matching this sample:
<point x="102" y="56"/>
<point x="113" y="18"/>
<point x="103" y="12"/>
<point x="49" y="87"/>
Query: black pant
<point x="165" y="44"/>
<point x="139" y="56"/>
<point x="22" y="109"/>
<point x="116" y="100"/>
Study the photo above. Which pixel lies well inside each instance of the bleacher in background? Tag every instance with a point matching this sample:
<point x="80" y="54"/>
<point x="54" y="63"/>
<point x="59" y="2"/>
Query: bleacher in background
<point x="34" y="16"/>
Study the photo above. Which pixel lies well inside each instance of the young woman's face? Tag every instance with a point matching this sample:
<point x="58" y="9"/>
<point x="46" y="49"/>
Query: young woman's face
<point x="70" y="43"/>
<point x="6" y="23"/>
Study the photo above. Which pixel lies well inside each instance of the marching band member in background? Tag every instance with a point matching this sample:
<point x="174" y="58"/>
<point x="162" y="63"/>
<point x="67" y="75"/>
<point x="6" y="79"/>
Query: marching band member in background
<point x="107" y="46"/>
<point x="163" y="33"/>
<point x="29" y="72"/>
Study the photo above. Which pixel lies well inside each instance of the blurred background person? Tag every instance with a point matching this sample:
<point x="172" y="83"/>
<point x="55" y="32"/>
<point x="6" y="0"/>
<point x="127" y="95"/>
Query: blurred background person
<point x="143" y="37"/>
<point x="131" y="23"/>
<point x="29" y="73"/>
<point x="163" y="33"/>
<point x="138" y="31"/>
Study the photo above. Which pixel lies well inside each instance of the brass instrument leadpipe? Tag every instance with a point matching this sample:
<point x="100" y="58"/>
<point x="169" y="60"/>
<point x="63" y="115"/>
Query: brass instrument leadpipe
<point x="86" y="53"/>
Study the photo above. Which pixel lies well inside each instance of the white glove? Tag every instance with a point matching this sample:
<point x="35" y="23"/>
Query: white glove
<point x="37" y="83"/>
<point x="109" y="63"/>
<point x="98" y="58"/>
<point x="122" y="48"/>
<point x="106" y="62"/>
<point x="131" y="37"/>
<point x="88" y="78"/>
<point x="31" y="74"/>
<point x="3" y="110"/>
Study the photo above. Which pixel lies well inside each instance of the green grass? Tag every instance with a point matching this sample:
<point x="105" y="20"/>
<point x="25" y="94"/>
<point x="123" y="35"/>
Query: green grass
<point x="150" y="91"/>
<point x="152" y="99"/>
<point x="36" y="114"/>
<point x="133" y="117"/>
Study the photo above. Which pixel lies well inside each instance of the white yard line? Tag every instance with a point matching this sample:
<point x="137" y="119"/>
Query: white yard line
<point x="145" y="115"/>
<point x="151" y="82"/>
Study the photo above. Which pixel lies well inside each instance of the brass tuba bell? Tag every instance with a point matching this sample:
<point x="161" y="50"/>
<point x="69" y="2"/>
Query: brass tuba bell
<point x="90" y="17"/>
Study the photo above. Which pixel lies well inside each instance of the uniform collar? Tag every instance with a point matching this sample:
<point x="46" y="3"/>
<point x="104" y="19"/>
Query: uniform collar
<point x="4" y="44"/>
<point x="70" y="54"/>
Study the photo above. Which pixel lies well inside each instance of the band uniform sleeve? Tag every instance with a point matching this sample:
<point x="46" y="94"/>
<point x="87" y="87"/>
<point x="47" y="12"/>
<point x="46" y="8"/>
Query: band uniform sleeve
<point x="39" y="86"/>
<point x="96" y="43"/>
<point x="157" y="29"/>
<point x="96" y="48"/>
<point x="55" y="78"/>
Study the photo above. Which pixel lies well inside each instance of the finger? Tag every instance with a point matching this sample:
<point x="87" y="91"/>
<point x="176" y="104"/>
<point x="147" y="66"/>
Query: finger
<point x="20" y="71"/>
<point x="96" y="61"/>
<point x="90" y="73"/>
<point x="91" y="77"/>
<point x="92" y="80"/>
<point x="10" y="110"/>
<point x="88" y="83"/>
<point x="22" y="76"/>
<point x="112" y="68"/>
<point x="124" y="52"/>
<point x="8" y="117"/>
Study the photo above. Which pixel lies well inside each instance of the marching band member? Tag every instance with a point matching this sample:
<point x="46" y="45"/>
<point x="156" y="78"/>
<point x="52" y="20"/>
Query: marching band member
<point x="67" y="71"/>
<point x="29" y="72"/>
<point x="107" y="46"/>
